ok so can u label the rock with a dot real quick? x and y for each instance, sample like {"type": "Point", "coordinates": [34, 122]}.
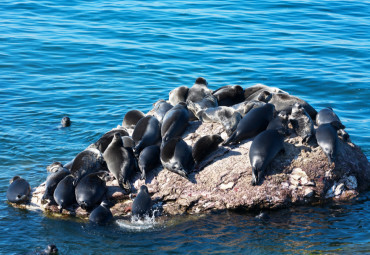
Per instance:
{"type": "Point", "coordinates": [301, 175]}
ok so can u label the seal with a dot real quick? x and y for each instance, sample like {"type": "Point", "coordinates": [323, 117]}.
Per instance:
{"type": "Point", "coordinates": [65, 122]}
{"type": "Point", "coordinates": [244, 107]}
{"type": "Point", "coordinates": [226, 116]}
{"type": "Point", "coordinates": [149, 159]}
{"type": "Point", "coordinates": [131, 118]}
{"type": "Point", "coordinates": [106, 139]}
{"type": "Point", "coordinates": [128, 142]}
{"type": "Point", "coordinates": [147, 132]}
{"type": "Point", "coordinates": [52, 182]}
{"type": "Point", "coordinates": [285, 102]}
{"type": "Point", "coordinates": [54, 167]}
{"type": "Point", "coordinates": [176, 156]}
{"type": "Point", "coordinates": [205, 146]}
{"type": "Point", "coordinates": [327, 115]}
{"type": "Point", "coordinates": [302, 123]}
{"type": "Point", "coordinates": [101, 215]}
{"type": "Point", "coordinates": [252, 93]}
{"type": "Point", "coordinates": [253, 123]}
{"type": "Point", "coordinates": [199, 90]}
{"type": "Point", "coordinates": [51, 249]}
{"type": "Point", "coordinates": [209, 101]}
{"type": "Point", "coordinates": [280, 122]}
{"type": "Point", "coordinates": [86, 162]}
{"type": "Point", "coordinates": [178, 95]}
{"type": "Point", "coordinates": [327, 138]}
{"type": "Point", "coordinates": [64, 194]}
{"type": "Point", "coordinates": [90, 190]}
{"type": "Point", "coordinates": [142, 204]}
{"type": "Point", "coordinates": [18, 191]}
{"type": "Point", "coordinates": [175, 122]}
{"type": "Point", "coordinates": [160, 108]}
{"type": "Point", "coordinates": [229, 95]}
{"type": "Point", "coordinates": [121, 161]}
{"type": "Point", "coordinates": [263, 150]}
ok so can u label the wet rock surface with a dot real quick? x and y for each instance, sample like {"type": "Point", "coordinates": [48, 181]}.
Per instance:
{"type": "Point", "coordinates": [301, 175]}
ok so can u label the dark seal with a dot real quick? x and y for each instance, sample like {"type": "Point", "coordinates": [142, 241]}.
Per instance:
{"type": "Point", "coordinates": [90, 190]}
{"type": "Point", "coordinates": [176, 156]}
{"type": "Point", "coordinates": [18, 191]}
{"type": "Point", "coordinates": [101, 215]}
{"type": "Point", "coordinates": [175, 122]}
{"type": "Point", "coordinates": [149, 159]}
{"type": "Point", "coordinates": [229, 95]}
{"type": "Point", "coordinates": [205, 146]}
{"type": "Point", "coordinates": [131, 118]}
{"type": "Point", "coordinates": [64, 194]}
{"type": "Point", "coordinates": [142, 204]}
{"type": "Point", "coordinates": [52, 182]}
{"type": "Point", "coordinates": [253, 123]}
{"type": "Point", "coordinates": [147, 132]}
{"type": "Point", "coordinates": [121, 161]}
{"type": "Point", "coordinates": [263, 150]}
{"type": "Point", "coordinates": [65, 122]}
{"type": "Point", "coordinates": [327, 138]}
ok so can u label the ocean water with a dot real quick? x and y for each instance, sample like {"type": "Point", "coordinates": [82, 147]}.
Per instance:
{"type": "Point", "coordinates": [96, 60]}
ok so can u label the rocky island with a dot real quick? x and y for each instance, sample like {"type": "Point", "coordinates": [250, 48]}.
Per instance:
{"type": "Point", "coordinates": [302, 174]}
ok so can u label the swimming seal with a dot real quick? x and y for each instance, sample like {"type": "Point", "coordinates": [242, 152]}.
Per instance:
{"type": "Point", "coordinates": [18, 191]}
{"type": "Point", "coordinates": [327, 138]}
{"type": "Point", "coordinates": [285, 102]}
{"type": "Point", "coordinates": [121, 161]}
{"type": "Point", "coordinates": [160, 109]}
{"type": "Point", "coordinates": [205, 146]}
{"type": "Point", "coordinates": [229, 95]}
{"type": "Point", "coordinates": [178, 95]}
{"type": "Point", "coordinates": [175, 122]}
{"type": "Point", "coordinates": [131, 118]}
{"type": "Point", "coordinates": [142, 204]}
{"type": "Point", "coordinates": [176, 156]}
{"type": "Point", "coordinates": [101, 214]}
{"type": "Point", "coordinates": [254, 122]}
{"type": "Point", "coordinates": [90, 190]}
{"type": "Point", "coordinates": [65, 122]}
{"type": "Point", "coordinates": [106, 139]}
{"type": "Point", "coordinates": [147, 132]}
{"type": "Point", "coordinates": [149, 159]}
{"type": "Point", "coordinates": [64, 194]}
{"type": "Point", "coordinates": [226, 116]}
{"type": "Point", "coordinates": [51, 249]}
{"type": "Point", "coordinates": [264, 148]}
{"type": "Point", "coordinates": [52, 182]}
{"type": "Point", "coordinates": [302, 122]}
{"type": "Point", "coordinates": [86, 162]}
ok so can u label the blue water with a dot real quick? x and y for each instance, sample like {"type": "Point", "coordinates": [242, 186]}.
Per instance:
{"type": "Point", "coordinates": [96, 60]}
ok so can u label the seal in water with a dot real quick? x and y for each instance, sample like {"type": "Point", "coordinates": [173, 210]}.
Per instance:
{"type": "Point", "coordinates": [18, 191]}
{"type": "Point", "coordinates": [101, 214]}
{"type": "Point", "coordinates": [285, 102]}
{"type": "Point", "coordinates": [51, 249]}
{"type": "Point", "coordinates": [178, 95]}
{"type": "Point", "coordinates": [229, 95]}
{"type": "Point", "coordinates": [327, 138]}
{"type": "Point", "coordinates": [52, 182]}
{"type": "Point", "coordinates": [131, 118]}
{"type": "Point", "coordinates": [227, 116]}
{"type": "Point", "coordinates": [86, 162]}
{"type": "Point", "coordinates": [147, 132]}
{"type": "Point", "coordinates": [176, 157]}
{"type": "Point", "coordinates": [175, 122]}
{"type": "Point", "coordinates": [142, 204]}
{"type": "Point", "coordinates": [253, 123]}
{"type": "Point", "coordinates": [91, 190]}
{"type": "Point", "coordinates": [121, 161]}
{"type": "Point", "coordinates": [263, 150]}
{"type": "Point", "coordinates": [302, 123]}
{"type": "Point", "coordinates": [64, 194]}
{"type": "Point", "coordinates": [205, 146]}
{"type": "Point", "coordinates": [65, 122]}
{"type": "Point", "coordinates": [106, 139]}
{"type": "Point", "coordinates": [160, 108]}
{"type": "Point", "coordinates": [149, 159]}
